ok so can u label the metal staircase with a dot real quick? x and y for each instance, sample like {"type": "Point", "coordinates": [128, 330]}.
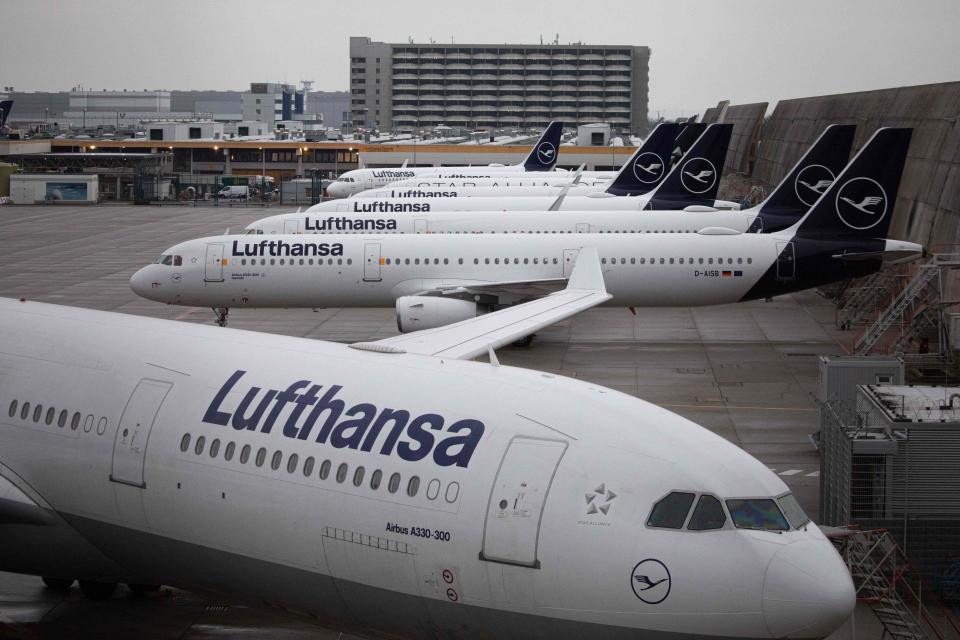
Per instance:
{"type": "Point", "coordinates": [885, 580]}
{"type": "Point", "coordinates": [915, 291]}
{"type": "Point", "coordinates": [855, 304]}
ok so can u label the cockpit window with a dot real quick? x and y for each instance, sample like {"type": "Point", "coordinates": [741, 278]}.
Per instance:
{"type": "Point", "coordinates": [164, 259]}
{"type": "Point", "coordinates": [177, 261]}
{"type": "Point", "coordinates": [757, 513]}
{"type": "Point", "coordinates": [791, 508]}
{"type": "Point", "coordinates": [671, 511]}
{"type": "Point", "coordinates": [254, 232]}
{"type": "Point", "coordinates": [708, 515]}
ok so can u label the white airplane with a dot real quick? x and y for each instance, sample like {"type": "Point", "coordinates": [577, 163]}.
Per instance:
{"type": "Point", "coordinates": [823, 161]}
{"type": "Point", "coordinates": [390, 488]}
{"type": "Point", "coordinates": [542, 157]}
{"type": "Point", "coordinates": [437, 279]}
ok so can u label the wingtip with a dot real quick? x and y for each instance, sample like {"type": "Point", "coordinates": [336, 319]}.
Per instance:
{"type": "Point", "coordinates": [586, 273]}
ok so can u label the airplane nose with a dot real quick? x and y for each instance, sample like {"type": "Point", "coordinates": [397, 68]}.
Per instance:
{"type": "Point", "coordinates": [142, 282]}
{"type": "Point", "coordinates": [807, 591]}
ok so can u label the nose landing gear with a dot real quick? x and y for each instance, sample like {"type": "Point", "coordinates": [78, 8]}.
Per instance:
{"type": "Point", "coordinates": [221, 313]}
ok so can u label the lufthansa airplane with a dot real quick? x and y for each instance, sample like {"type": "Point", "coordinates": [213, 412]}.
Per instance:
{"type": "Point", "coordinates": [786, 204]}
{"type": "Point", "coordinates": [543, 157]}
{"type": "Point", "coordinates": [437, 279]}
{"type": "Point", "coordinates": [391, 488]}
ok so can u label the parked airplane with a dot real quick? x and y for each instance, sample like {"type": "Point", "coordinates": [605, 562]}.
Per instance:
{"type": "Point", "coordinates": [823, 161]}
{"type": "Point", "coordinates": [543, 157]}
{"type": "Point", "coordinates": [389, 488]}
{"type": "Point", "coordinates": [438, 279]}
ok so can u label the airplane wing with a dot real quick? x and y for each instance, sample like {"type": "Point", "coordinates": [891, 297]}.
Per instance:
{"type": "Point", "coordinates": [471, 338]}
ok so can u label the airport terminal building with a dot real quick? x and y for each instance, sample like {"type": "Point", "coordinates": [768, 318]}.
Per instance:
{"type": "Point", "coordinates": [405, 86]}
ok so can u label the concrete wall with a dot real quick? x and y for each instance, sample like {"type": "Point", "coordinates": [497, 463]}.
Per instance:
{"type": "Point", "coordinates": [747, 121]}
{"type": "Point", "coordinates": [928, 205]}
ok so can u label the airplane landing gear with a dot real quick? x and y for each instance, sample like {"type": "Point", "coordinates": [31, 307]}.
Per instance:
{"type": "Point", "coordinates": [221, 313]}
{"type": "Point", "coordinates": [525, 341]}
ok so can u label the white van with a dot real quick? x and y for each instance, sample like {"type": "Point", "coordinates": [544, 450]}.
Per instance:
{"type": "Point", "coordinates": [238, 192]}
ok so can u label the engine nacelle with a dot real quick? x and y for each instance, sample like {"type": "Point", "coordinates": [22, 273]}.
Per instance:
{"type": "Point", "coordinates": [427, 312]}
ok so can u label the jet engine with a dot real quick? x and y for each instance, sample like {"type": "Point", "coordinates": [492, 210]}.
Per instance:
{"type": "Point", "coordinates": [427, 312]}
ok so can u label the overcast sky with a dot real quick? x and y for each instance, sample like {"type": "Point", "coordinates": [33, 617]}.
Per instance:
{"type": "Point", "coordinates": [742, 50]}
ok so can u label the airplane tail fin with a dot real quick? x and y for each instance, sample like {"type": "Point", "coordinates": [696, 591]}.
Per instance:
{"type": "Point", "coordinates": [688, 135]}
{"type": "Point", "coordinates": [5, 107]}
{"type": "Point", "coordinates": [543, 156]}
{"type": "Point", "coordinates": [696, 178]}
{"type": "Point", "coordinates": [648, 165]}
{"type": "Point", "coordinates": [860, 201]}
{"type": "Point", "coordinates": [806, 182]}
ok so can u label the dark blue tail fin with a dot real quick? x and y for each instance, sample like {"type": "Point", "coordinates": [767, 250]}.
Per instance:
{"type": "Point", "coordinates": [696, 178]}
{"type": "Point", "coordinates": [807, 181]}
{"type": "Point", "coordinates": [5, 107]}
{"type": "Point", "coordinates": [647, 167]}
{"type": "Point", "coordinates": [543, 156]}
{"type": "Point", "coordinates": [860, 201]}
{"type": "Point", "coordinates": [685, 139]}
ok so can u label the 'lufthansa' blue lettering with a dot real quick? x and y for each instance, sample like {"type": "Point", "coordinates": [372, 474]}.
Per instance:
{"type": "Point", "coordinates": [361, 427]}
{"type": "Point", "coordinates": [344, 223]}
{"type": "Point", "coordinates": [280, 248]}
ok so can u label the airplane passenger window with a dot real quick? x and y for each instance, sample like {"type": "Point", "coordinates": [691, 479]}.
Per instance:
{"type": "Point", "coordinates": [281, 262]}
{"type": "Point", "coordinates": [62, 420]}
{"type": "Point", "coordinates": [101, 426]}
{"type": "Point", "coordinates": [276, 460]}
{"type": "Point", "coordinates": [292, 462]}
{"type": "Point", "coordinates": [394, 483]}
{"type": "Point", "coordinates": [709, 260]}
{"type": "Point", "coordinates": [358, 476]}
{"type": "Point", "coordinates": [228, 451]}
{"type": "Point", "coordinates": [453, 492]}
{"type": "Point", "coordinates": [416, 261]}
{"type": "Point", "coordinates": [671, 511]}
{"type": "Point", "coordinates": [739, 260]}
{"type": "Point", "coordinates": [75, 421]}
{"type": "Point", "coordinates": [433, 489]}
{"type": "Point", "coordinates": [633, 261]}
{"type": "Point", "coordinates": [25, 411]}
{"type": "Point", "coordinates": [245, 454]}
{"type": "Point", "coordinates": [308, 467]}
{"type": "Point", "coordinates": [661, 260]}
{"type": "Point", "coordinates": [198, 448]}
{"type": "Point", "coordinates": [13, 408]}
{"type": "Point", "coordinates": [185, 442]}
{"type": "Point", "coordinates": [37, 412]}
{"type": "Point", "coordinates": [708, 515]}
{"type": "Point", "coordinates": [757, 514]}
{"type": "Point", "coordinates": [603, 261]}
{"type": "Point", "coordinates": [375, 478]}
{"type": "Point", "coordinates": [325, 469]}
{"type": "Point", "coordinates": [51, 412]}
{"type": "Point", "coordinates": [749, 260]}
{"type": "Point", "coordinates": [261, 456]}
{"type": "Point", "coordinates": [214, 448]}
{"type": "Point", "coordinates": [342, 472]}
{"type": "Point", "coordinates": [794, 512]}
{"type": "Point", "coordinates": [413, 485]}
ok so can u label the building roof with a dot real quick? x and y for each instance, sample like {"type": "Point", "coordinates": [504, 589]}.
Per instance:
{"type": "Point", "coordinates": [918, 404]}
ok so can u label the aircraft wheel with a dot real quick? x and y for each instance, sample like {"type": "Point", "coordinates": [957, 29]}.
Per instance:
{"type": "Point", "coordinates": [97, 590]}
{"type": "Point", "coordinates": [58, 584]}
{"type": "Point", "coordinates": [526, 341]}
{"type": "Point", "coordinates": [143, 589]}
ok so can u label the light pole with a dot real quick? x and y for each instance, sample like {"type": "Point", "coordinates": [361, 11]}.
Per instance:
{"type": "Point", "coordinates": [263, 174]}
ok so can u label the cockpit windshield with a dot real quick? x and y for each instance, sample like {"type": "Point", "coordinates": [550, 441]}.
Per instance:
{"type": "Point", "coordinates": [794, 512]}
{"type": "Point", "coordinates": [253, 232]}
{"type": "Point", "coordinates": [757, 513]}
{"type": "Point", "coordinates": [169, 260]}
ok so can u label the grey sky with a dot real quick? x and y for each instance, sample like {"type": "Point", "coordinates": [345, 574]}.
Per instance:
{"type": "Point", "coordinates": [744, 50]}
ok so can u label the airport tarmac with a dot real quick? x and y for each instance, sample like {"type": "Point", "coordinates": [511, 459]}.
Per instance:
{"type": "Point", "coordinates": [747, 372]}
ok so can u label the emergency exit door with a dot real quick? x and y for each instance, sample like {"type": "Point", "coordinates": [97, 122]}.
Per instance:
{"type": "Point", "coordinates": [512, 527]}
{"type": "Point", "coordinates": [213, 270]}
{"type": "Point", "coordinates": [569, 259]}
{"type": "Point", "coordinates": [133, 432]}
{"type": "Point", "coordinates": [786, 261]}
{"type": "Point", "coordinates": [371, 262]}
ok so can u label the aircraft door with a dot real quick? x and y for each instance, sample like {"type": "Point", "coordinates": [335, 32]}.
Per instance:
{"type": "Point", "coordinates": [420, 225]}
{"type": "Point", "coordinates": [786, 261]}
{"type": "Point", "coordinates": [512, 527]}
{"type": "Point", "coordinates": [291, 226]}
{"type": "Point", "coordinates": [583, 227]}
{"type": "Point", "coordinates": [569, 259]}
{"type": "Point", "coordinates": [371, 262]}
{"type": "Point", "coordinates": [133, 432]}
{"type": "Point", "coordinates": [213, 270]}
